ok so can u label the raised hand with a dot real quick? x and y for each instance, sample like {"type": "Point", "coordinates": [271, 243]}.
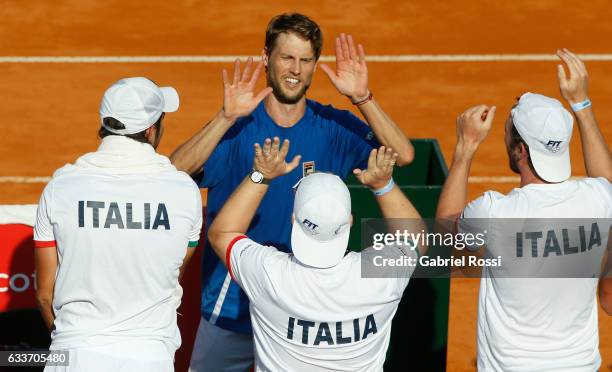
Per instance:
{"type": "Point", "coordinates": [238, 96]}
{"type": "Point", "coordinates": [270, 160]}
{"type": "Point", "coordinates": [380, 168]}
{"type": "Point", "coordinates": [575, 87]}
{"type": "Point", "coordinates": [473, 126]}
{"type": "Point", "coordinates": [351, 75]}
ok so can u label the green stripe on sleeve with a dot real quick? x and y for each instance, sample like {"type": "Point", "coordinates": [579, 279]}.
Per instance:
{"type": "Point", "coordinates": [192, 244]}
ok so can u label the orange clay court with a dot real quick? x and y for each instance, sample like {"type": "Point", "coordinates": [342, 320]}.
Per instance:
{"type": "Point", "coordinates": [50, 110]}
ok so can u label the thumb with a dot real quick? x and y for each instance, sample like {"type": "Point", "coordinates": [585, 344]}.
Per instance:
{"type": "Point", "coordinates": [490, 116]}
{"type": "Point", "coordinates": [263, 94]}
{"type": "Point", "coordinates": [328, 71]}
{"type": "Point", "coordinates": [359, 174]}
{"type": "Point", "coordinates": [561, 75]}
{"type": "Point", "coordinates": [294, 163]}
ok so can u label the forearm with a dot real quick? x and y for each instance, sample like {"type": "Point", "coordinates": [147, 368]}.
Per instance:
{"type": "Point", "coordinates": [401, 214]}
{"type": "Point", "coordinates": [239, 210]}
{"type": "Point", "coordinates": [45, 305]}
{"type": "Point", "coordinates": [395, 204]}
{"type": "Point", "coordinates": [190, 156]}
{"type": "Point", "coordinates": [387, 132]}
{"type": "Point", "coordinates": [597, 157]}
{"type": "Point", "coordinates": [454, 193]}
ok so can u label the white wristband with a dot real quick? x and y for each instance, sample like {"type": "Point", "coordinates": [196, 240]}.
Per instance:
{"type": "Point", "coordinates": [581, 105]}
{"type": "Point", "coordinates": [386, 189]}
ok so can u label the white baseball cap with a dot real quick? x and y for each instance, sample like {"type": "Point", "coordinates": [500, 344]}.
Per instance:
{"type": "Point", "coordinates": [322, 225]}
{"type": "Point", "coordinates": [137, 103]}
{"type": "Point", "coordinates": [546, 127]}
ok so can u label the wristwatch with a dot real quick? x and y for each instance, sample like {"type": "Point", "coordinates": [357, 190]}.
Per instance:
{"type": "Point", "coordinates": [257, 177]}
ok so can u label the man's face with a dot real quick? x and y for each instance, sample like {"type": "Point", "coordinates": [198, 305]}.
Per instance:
{"type": "Point", "coordinates": [290, 66]}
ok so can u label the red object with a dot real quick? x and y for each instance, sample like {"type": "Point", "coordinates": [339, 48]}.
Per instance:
{"type": "Point", "coordinates": [16, 267]}
{"type": "Point", "coordinates": [228, 254]}
{"type": "Point", "coordinates": [44, 244]}
{"type": "Point", "coordinates": [364, 101]}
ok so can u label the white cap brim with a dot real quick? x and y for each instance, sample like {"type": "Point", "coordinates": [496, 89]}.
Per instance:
{"type": "Point", "coordinates": [552, 168]}
{"type": "Point", "coordinates": [171, 99]}
{"type": "Point", "coordinates": [316, 253]}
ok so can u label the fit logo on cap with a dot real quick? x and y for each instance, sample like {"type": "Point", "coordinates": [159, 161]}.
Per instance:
{"type": "Point", "coordinates": [553, 146]}
{"type": "Point", "coordinates": [310, 226]}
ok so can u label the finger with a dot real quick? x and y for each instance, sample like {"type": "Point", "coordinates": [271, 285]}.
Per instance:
{"type": "Point", "coordinates": [388, 154]}
{"type": "Point", "coordinates": [345, 48]}
{"type": "Point", "coordinates": [470, 111]}
{"type": "Point", "coordinates": [380, 157]}
{"type": "Point", "coordinates": [359, 174]}
{"type": "Point", "coordinates": [571, 62]}
{"type": "Point", "coordinates": [372, 159]}
{"type": "Point", "coordinates": [394, 158]}
{"type": "Point", "coordinates": [339, 55]}
{"type": "Point", "coordinates": [247, 70]}
{"type": "Point", "coordinates": [329, 72]}
{"type": "Point", "coordinates": [575, 58]}
{"type": "Point", "coordinates": [263, 94]}
{"type": "Point", "coordinates": [225, 78]}
{"type": "Point", "coordinates": [479, 111]}
{"type": "Point", "coordinates": [490, 115]}
{"type": "Point", "coordinates": [561, 75]}
{"type": "Point", "coordinates": [266, 147]}
{"type": "Point", "coordinates": [388, 159]}
{"type": "Point", "coordinates": [257, 150]}
{"type": "Point", "coordinates": [284, 149]}
{"type": "Point", "coordinates": [275, 146]}
{"type": "Point", "coordinates": [390, 163]}
{"type": "Point", "coordinates": [256, 73]}
{"type": "Point", "coordinates": [361, 54]}
{"type": "Point", "coordinates": [236, 72]}
{"type": "Point", "coordinates": [352, 50]}
{"type": "Point", "coordinates": [565, 58]}
{"type": "Point", "coordinates": [294, 163]}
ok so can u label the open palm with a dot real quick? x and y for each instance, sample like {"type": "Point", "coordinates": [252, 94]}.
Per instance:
{"type": "Point", "coordinates": [351, 75]}
{"type": "Point", "coordinates": [380, 168]}
{"type": "Point", "coordinates": [238, 96]}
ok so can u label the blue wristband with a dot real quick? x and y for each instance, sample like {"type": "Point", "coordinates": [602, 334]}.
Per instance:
{"type": "Point", "coordinates": [384, 190]}
{"type": "Point", "coordinates": [581, 105]}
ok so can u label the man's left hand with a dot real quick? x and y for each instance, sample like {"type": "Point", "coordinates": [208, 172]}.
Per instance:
{"type": "Point", "coordinates": [270, 160]}
{"type": "Point", "coordinates": [351, 75]}
{"type": "Point", "coordinates": [380, 168]}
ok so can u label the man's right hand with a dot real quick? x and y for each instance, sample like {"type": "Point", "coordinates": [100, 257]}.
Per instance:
{"type": "Point", "coordinates": [238, 97]}
{"type": "Point", "coordinates": [380, 168]}
{"type": "Point", "coordinates": [575, 87]}
{"type": "Point", "coordinates": [270, 160]}
{"type": "Point", "coordinates": [473, 126]}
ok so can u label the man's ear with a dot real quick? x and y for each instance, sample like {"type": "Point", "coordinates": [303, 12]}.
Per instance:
{"type": "Point", "coordinates": [523, 151]}
{"type": "Point", "coordinates": [351, 220]}
{"type": "Point", "coordinates": [292, 218]}
{"type": "Point", "coordinates": [150, 134]}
